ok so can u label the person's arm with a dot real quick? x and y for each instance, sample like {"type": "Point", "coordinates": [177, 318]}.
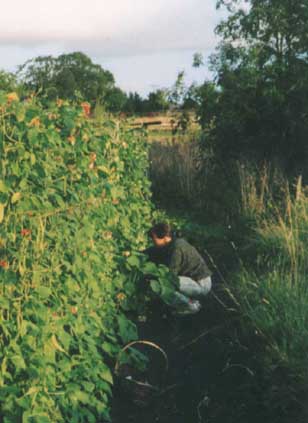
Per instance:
{"type": "Point", "coordinates": [176, 261]}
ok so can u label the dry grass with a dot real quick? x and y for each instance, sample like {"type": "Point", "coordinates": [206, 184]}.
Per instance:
{"type": "Point", "coordinates": [281, 218]}
{"type": "Point", "coordinates": [174, 170]}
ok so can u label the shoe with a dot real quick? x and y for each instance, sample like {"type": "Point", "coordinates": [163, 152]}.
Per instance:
{"type": "Point", "coordinates": [192, 307]}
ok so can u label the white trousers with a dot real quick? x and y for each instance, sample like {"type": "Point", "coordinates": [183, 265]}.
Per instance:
{"type": "Point", "coordinates": [192, 290]}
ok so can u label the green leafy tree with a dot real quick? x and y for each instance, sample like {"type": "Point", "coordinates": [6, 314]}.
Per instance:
{"type": "Point", "coordinates": [67, 76]}
{"type": "Point", "coordinates": [37, 74]}
{"type": "Point", "coordinates": [116, 100]}
{"type": "Point", "coordinates": [198, 60]}
{"type": "Point", "coordinates": [93, 82]}
{"type": "Point", "coordinates": [65, 83]}
{"type": "Point", "coordinates": [157, 101]}
{"type": "Point", "coordinates": [178, 91]}
{"type": "Point", "coordinates": [261, 69]}
{"type": "Point", "coordinates": [193, 97]}
{"type": "Point", "coordinates": [135, 104]}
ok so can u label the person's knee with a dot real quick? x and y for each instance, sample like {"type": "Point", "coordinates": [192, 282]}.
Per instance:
{"type": "Point", "coordinates": [206, 286]}
{"type": "Point", "coordinates": [189, 287]}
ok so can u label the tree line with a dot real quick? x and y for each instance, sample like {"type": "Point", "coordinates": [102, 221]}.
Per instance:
{"type": "Point", "coordinates": [74, 76]}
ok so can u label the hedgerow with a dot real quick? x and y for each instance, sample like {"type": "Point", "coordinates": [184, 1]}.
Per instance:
{"type": "Point", "coordinates": [74, 206]}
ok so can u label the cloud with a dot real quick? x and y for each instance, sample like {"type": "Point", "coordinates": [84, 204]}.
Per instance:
{"type": "Point", "coordinates": [109, 26]}
{"type": "Point", "coordinates": [144, 43]}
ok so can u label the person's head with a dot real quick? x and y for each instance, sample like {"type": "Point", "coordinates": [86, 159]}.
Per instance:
{"type": "Point", "coordinates": [161, 234]}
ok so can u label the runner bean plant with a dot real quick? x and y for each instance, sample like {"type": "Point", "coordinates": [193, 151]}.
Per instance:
{"type": "Point", "coordinates": [74, 209]}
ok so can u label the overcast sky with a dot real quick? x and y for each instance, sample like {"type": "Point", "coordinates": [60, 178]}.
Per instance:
{"type": "Point", "coordinates": [144, 43]}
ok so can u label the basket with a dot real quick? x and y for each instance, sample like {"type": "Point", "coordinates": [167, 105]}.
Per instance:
{"type": "Point", "coordinates": [139, 391]}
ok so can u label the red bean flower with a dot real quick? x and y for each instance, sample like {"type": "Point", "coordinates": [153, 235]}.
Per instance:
{"type": "Point", "coordinates": [12, 97]}
{"type": "Point", "coordinates": [4, 264]}
{"type": "Point", "coordinates": [74, 310]}
{"type": "Point", "coordinates": [86, 107]}
{"type": "Point", "coordinates": [25, 232]}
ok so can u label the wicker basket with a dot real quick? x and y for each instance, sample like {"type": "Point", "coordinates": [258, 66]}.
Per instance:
{"type": "Point", "coordinates": [140, 392]}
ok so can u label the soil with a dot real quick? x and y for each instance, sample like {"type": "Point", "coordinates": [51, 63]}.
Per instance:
{"type": "Point", "coordinates": [204, 382]}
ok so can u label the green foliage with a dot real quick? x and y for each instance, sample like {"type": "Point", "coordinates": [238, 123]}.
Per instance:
{"type": "Point", "coordinates": [115, 100]}
{"type": "Point", "coordinates": [74, 203]}
{"type": "Point", "coordinates": [134, 103]}
{"type": "Point", "coordinates": [177, 92]}
{"type": "Point", "coordinates": [7, 81]}
{"type": "Point", "coordinates": [71, 76]}
{"type": "Point", "coordinates": [157, 101]}
{"type": "Point", "coordinates": [271, 294]}
{"type": "Point", "coordinates": [198, 60]}
{"type": "Point", "coordinates": [258, 110]}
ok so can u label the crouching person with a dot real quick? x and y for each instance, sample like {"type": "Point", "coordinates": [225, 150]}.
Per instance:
{"type": "Point", "coordinates": [185, 262]}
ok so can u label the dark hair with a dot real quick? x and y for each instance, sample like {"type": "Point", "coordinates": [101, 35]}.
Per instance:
{"type": "Point", "coordinates": [160, 230]}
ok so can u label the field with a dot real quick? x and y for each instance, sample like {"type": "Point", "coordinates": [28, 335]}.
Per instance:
{"type": "Point", "coordinates": [166, 126]}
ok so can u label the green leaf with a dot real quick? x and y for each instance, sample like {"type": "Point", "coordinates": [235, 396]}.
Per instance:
{"type": "Point", "coordinates": [3, 187]}
{"type": "Point", "coordinates": [4, 303]}
{"type": "Point", "coordinates": [150, 268]}
{"type": "Point", "coordinates": [32, 159]}
{"type": "Point", "coordinates": [88, 386]}
{"type": "Point", "coordinates": [15, 197]}
{"type": "Point", "coordinates": [109, 348]}
{"type": "Point", "coordinates": [44, 291]}
{"type": "Point", "coordinates": [26, 416]}
{"type": "Point", "coordinates": [167, 293]}
{"type": "Point", "coordinates": [128, 330]}
{"type": "Point", "coordinates": [20, 113]}
{"type": "Point", "coordinates": [155, 285]}
{"type": "Point", "coordinates": [82, 396]}
{"type": "Point", "coordinates": [33, 136]}
{"type": "Point", "coordinates": [18, 362]}
{"type": "Point", "coordinates": [107, 376]}
{"type": "Point", "coordinates": [133, 261]}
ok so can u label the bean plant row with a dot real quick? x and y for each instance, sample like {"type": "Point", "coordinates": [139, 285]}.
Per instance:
{"type": "Point", "coordinates": [74, 210]}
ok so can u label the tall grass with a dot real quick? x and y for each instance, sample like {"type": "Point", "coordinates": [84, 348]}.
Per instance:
{"type": "Point", "coordinates": [183, 176]}
{"type": "Point", "coordinates": [272, 291]}
{"type": "Point", "coordinates": [175, 171]}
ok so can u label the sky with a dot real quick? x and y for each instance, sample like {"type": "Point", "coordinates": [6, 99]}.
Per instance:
{"type": "Point", "coordinates": [143, 43]}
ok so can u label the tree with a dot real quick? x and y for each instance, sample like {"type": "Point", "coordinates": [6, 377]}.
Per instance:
{"type": "Point", "coordinates": [261, 68]}
{"type": "Point", "coordinates": [69, 76]}
{"type": "Point", "coordinates": [135, 104]}
{"type": "Point", "coordinates": [92, 81]}
{"type": "Point", "coordinates": [198, 60]}
{"type": "Point", "coordinates": [193, 97]}
{"type": "Point", "coordinates": [38, 74]}
{"type": "Point", "coordinates": [178, 91]}
{"type": "Point", "coordinates": [65, 83]}
{"type": "Point", "coordinates": [116, 100]}
{"type": "Point", "coordinates": [157, 101]}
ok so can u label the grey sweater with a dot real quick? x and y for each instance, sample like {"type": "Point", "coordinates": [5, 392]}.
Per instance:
{"type": "Point", "coordinates": [186, 261]}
